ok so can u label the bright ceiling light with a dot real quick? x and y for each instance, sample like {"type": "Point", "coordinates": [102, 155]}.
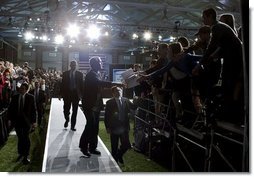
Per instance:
{"type": "Point", "coordinates": [29, 36]}
{"type": "Point", "coordinates": [172, 38]}
{"type": "Point", "coordinates": [44, 38]}
{"type": "Point", "coordinates": [59, 39]}
{"type": "Point", "coordinates": [160, 37]}
{"type": "Point", "coordinates": [93, 32]}
{"type": "Point", "coordinates": [134, 36]}
{"type": "Point", "coordinates": [147, 35]}
{"type": "Point", "coordinates": [73, 30]}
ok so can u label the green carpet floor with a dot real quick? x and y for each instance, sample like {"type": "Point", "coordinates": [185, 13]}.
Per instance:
{"type": "Point", "coordinates": [134, 161]}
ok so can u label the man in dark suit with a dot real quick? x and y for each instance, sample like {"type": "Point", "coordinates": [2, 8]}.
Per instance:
{"type": "Point", "coordinates": [225, 44]}
{"type": "Point", "coordinates": [40, 101]}
{"type": "Point", "coordinates": [71, 91]}
{"type": "Point", "coordinates": [92, 104]}
{"type": "Point", "coordinates": [22, 116]}
{"type": "Point", "coordinates": [117, 123]}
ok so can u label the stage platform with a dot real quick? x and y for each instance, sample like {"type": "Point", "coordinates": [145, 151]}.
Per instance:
{"type": "Point", "coordinates": [62, 153]}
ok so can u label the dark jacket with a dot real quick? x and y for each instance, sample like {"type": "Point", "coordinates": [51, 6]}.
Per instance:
{"type": "Point", "coordinates": [41, 98]}
{"type": "Point", "coordinates": [29, 112]}
{"type": "Point", "coordinates": [65, 85]}
{"type": "Point", "coordinates": [224, 38]}
{"type": "Point", "coordinates": [92, 90]}
{"type": "Point", "coordinates": [112, 120]}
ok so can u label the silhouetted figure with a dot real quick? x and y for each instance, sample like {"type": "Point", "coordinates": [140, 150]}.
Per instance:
{"type": "Point", "coordinates": [22, 115]}
{"type": "Point", "coordinates": [71, 91]}
{"type": "Point", "coordinates": [92, 104]}
{"type": "Point", "coordinates": [117, 123]}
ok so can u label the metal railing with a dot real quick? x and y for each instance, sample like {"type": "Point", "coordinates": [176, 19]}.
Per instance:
{"type": "Point", "coordinates": [204, 139]}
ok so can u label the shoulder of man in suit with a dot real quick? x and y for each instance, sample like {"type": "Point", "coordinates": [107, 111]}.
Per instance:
{"type": "Point", "coordinates": [111, 100]}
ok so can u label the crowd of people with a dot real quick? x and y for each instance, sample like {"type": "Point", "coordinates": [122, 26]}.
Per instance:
{"type": "Point", "coordinates": [11, 77]}
{"type": "Point", "coordinates": [24, 94]}
{"type": "Point", "coordinates": [219, 63]}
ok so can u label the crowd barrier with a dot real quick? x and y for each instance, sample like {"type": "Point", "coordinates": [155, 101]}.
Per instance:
{"type": "Point", "coordinates": [214, 146]}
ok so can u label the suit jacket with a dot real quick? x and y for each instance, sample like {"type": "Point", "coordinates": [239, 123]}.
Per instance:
{"type": "Point", "coordinates": [41, 98]}
{"type": "Point", "coordinates": [112, 121]}
{"type": "Point", "coordinates": [92, 90]}
{"type": "Point", "coordinates": [65, 85]}
{"type": "Point", "coordinates": [224, 37]}
{"type": "Point", "coordinates": [29, 111]}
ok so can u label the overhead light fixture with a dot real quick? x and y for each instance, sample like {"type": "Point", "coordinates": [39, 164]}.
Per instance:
{"type": "Point", "coordinates": [93, 32]}
{"type": "Point", "coordinates": [147, 35]}
{"type": "Point", "coordinates": [59, 39]}
{"type": "Point", "coordinates": [73, 30]}
{"type": "Point", "coordinates": [44, 38]}
{"type": "Point", "coordinates": [172, 38]}
{"type": "Point", "coordinates": [29, 36]}
{"type": "Point", "coordinates": [134, 36]}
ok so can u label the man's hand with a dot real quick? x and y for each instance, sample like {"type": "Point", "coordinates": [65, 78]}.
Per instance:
{"type": "Point", "coordinates": [142, 77]}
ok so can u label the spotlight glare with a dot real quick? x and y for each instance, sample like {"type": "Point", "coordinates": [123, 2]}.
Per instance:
{"type": "Point", "coordinates": [73, 30]}
{"type": "Point", "coordinates": [93, 32]}
{"type": "Point", "coordinates": [29, 36]}
{"type": "Point", "coordinates": [134, 36]}
{"type": "Point", "coordinates": [59, 39]}
{"type": "Point", "coordinates": [147, 35]}
{"type": "Point", "coordinates": [171, 38]}
{"type": "Point", "coordinates": [44, 38]}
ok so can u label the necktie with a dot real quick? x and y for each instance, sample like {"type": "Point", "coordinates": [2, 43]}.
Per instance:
{"type": "Point", "coordinates": [72, 80]}
{"type": "Point", "coordinates": [121, 110]}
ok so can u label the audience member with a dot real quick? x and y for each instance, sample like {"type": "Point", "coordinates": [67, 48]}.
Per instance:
{"type": "Point", "coordinates": [225, 44]}
{"type": "Point", "coordinates": [40, 101]}
{"type": "Point", "coordinates": [184, 42]}
{"type": "Point", "coordinates": [228, 19]}
{"type": "Point", "coordinates": [22, 116]}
